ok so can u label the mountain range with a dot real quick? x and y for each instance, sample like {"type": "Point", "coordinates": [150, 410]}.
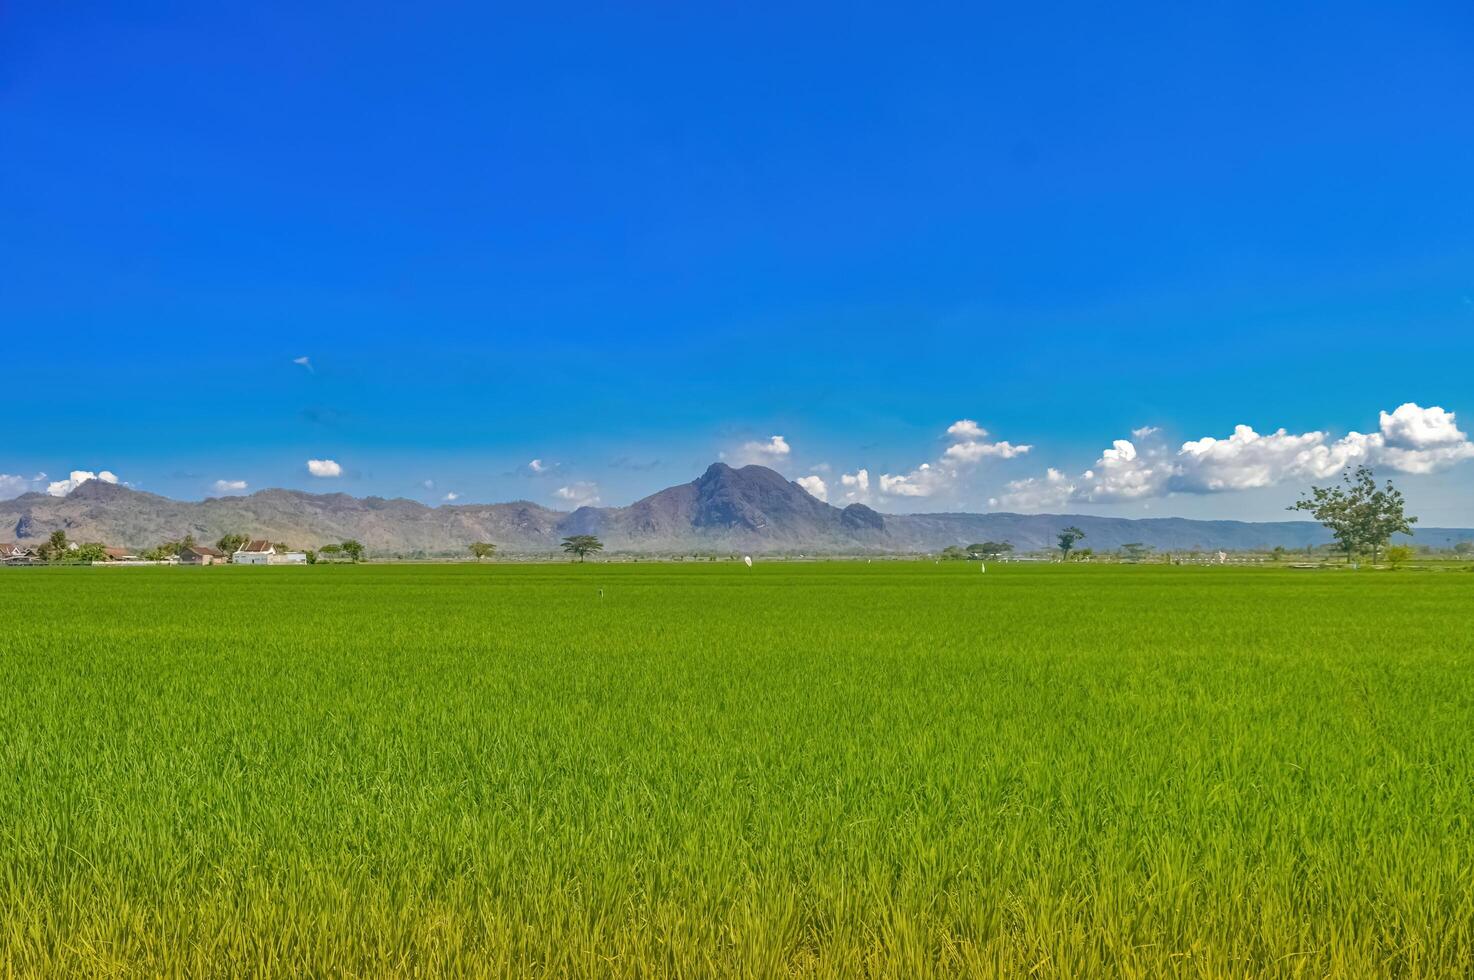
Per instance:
{"type": "Point", "coordinates": [752, 509]}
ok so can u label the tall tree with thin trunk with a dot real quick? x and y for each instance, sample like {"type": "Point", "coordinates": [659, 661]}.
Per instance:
{"type": "Point", "coordinates": [1067, 539]}
{"type": "Point", "coordinates": [1360, 515]}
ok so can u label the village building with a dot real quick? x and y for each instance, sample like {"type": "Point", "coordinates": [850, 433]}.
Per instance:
{"type": "Point", "coordinates": [289, 558]}
{"type": "Point", "coordinates": [119, 554]}
{"type": "Point", "coordinates": [258, 552]}
{"type": "Point", "coordinates": [17, 553]}
{"type": "Point", "coordinates": [198, 554]}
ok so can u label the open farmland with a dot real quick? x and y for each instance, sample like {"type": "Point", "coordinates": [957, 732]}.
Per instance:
{"type": "Point", "coordinates": [889, 769]}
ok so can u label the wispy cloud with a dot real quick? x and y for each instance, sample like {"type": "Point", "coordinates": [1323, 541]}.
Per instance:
{"type": "Point", "coordinates": [583, 493]}
{"type": "Point", "coordinates": [14, 486]}
{"type": "Point", "coordinates": [968, 445]}
{"type": "Point", "coordinates": [229, 486]}
{"type": "Point", "coordinates": [304, 361]}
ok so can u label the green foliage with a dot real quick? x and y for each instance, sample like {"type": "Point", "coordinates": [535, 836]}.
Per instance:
{"type": "Point", "coordinates": [1067, 539]}
{"type": "Point", "coordinates": [352, 549]}
{"type": "Point", "coordinates": [990, 549]}
{"type": "Point", "coordinates": [88, 553]}
{"type": "Point", "coordinates": [55, 548]}
{"type": "Point", "coordinates": [820, 770]}
{"type": "Point", "coordinates": [482, 549]}
{"type": "Point", "coordinates": [1399, 554]}
{"type": "Point", "coordinates": [1278, 553]}
{"type": "Point", "coordinates": [1464, 548]}
{"type": "Point", "coordinates": [582, 545]}
{"type": "Point", "coordinates": [1360, 515]}
{"type": "Point", "coordinates": [953, 553]}
{"type": "Point", "coordinates": [1135, 551]}
{"type": "Point", "coordinates": [231, 543]}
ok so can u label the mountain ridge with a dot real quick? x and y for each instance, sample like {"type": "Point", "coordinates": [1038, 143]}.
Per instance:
{"type": "Point", "coordinates": [752, 509]}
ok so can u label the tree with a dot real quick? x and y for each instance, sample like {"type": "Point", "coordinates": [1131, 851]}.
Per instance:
{"type": "Point", "coordinates": [188, 542]}
{"type": "Point", "coordinates": [1399, 553]}
{"type": "Point", "coordinates": [1067, 539]}
{"type": "Point", "coordinates": [582, 545]}
{"type": "Point", "coordinates": [231, 543]}
{"type": "Point", "coordinates": [1360, 515]}
{"type": "Point", "coordinates": [352, 549]}
{"type": "Point", "coordinates": [1278, 554]}
{"type": "Point", "coordinates": [281, 547]}
{"type": "Point", "coordinates": [953, 553]}
{"type": "Point", "coordinates": [1463, 548]}
{"type": "Point", "coordinates": [483, 549]}
{"type": "Point", "coordinates": [989, 549]}
{"type": "Point", "coordinates": [87, 552]}
{"type": "Point", "coordinates": [1135, 551]}
{"type": "Point", "coordinates": [55, 548]}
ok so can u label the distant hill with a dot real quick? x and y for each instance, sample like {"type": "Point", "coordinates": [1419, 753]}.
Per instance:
{"type": "Point", "coordinates": [752, 509]}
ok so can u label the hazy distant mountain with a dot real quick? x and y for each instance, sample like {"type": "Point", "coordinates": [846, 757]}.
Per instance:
{"type": "Point", "coordinates": [752, 509]}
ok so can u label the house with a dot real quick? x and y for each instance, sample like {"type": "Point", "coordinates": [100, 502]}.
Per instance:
{"type": "Point", "coordinates": [198, 554]}
{"type": "Point", "coordinates": [289, 558]}
{"type": "Point", "coordinates": [255, 553]}
{"type": "Point", "coordinates": [119, 554]}
{"type": "Point", "coordinates": [16, 553]}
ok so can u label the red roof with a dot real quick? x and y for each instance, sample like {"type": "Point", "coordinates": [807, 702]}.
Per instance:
{"type": "Point", "coordinates": [262, 547]}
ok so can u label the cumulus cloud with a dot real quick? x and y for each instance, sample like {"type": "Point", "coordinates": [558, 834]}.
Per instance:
{"type": "Point", "coordinates": [815, 486]}
{"type": "Point", "coordinates": [968, 447]}
{"type": "Point", "coordinates": [856, 486]}
{"type": "Point", "coordinates": [580, 494]}
{"type": "Point", "coordinates": [452, 496]}
{"type": "Point", "coordinates": [1411, 439]}
{"type": "Point", "coordinates": [774, 450]}
{"type": "Point", "coordinates": [60, 488]}
{"type": "Point", "coordinates": [229, 486]}
{"type": "Point", "coordinates": [324, 467]}
{"type": "Point", "coordinates": [967, 429]}
{"type": "Point", "coordinates": [537, 466]}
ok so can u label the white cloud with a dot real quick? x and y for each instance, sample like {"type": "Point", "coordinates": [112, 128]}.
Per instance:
{"type": "Point", "coordinates": [968, 447]}
{"type": "Point", "coordinates": [324, 467]}
{"type": "Point", "coordinates": [973, 451]}
{"type": "Point", "coordinates": [967, 429]}
{"type": "Point", "coordinates": [815, 486]}
{"type": "Point", "coordinates": [229, 486]}
{"type": "Point", "coordinates": [60, 488]}
{"type": "Point", "coordinates": [537, 466]}
{"type": "Point", "coordinates": [14, 486]}
{"type": "Point", "coordinates": [1411, 439]}
{"type": "Point", "coordinates": [304, 361]}
{"type": "Point", "coordinates": [920, 482]}
{"type": "Point", "coordinates": [856, 486]}
{"type": "Point", "coordinates": [1144, 432]}
{"type": "Point", "coordinates": [1051, 491]}
{"type": "Point", "coordinates": [772, 451]}
{"type": "Point", "coordinates": [452, 496]}
{"type": "Point", "coordinates": [580, 494]}
{"type": "Point", "coordinates": [428, 484]}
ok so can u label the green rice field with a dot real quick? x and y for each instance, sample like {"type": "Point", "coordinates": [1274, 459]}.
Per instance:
{"type": "Point", "coordinates": [887, 769]}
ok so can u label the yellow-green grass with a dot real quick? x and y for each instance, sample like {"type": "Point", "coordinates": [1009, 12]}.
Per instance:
{"type": "Point", "coordinates": [840, 770]}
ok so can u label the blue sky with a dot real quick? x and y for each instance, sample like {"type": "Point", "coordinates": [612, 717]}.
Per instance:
{"type": "Point", "coordinates": [628, 242]}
